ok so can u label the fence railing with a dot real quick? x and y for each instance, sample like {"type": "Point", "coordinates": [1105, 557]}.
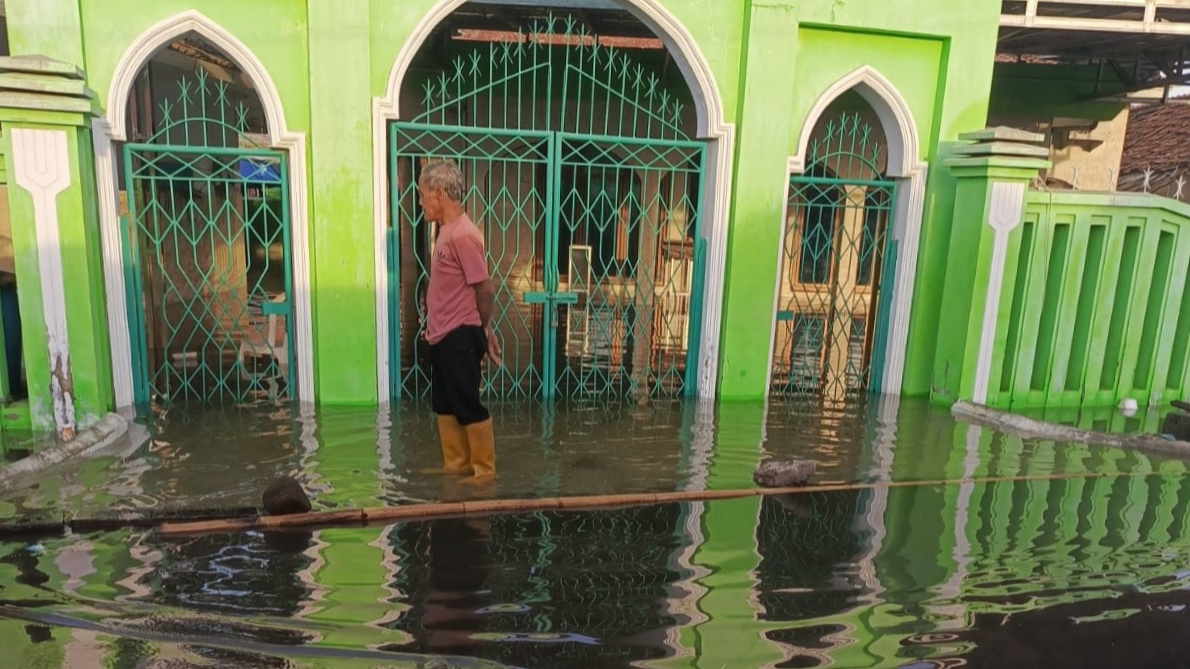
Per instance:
{"type": "Point", "coordinates": [1097, 299]}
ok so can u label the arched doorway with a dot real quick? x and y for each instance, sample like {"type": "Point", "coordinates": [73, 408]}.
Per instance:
{"type": "Point", "coordinates": [837, 263]}
{"type": "Point", "coordinates": [207, 234]}
{"type": "Point", "coordinates": [582, 172]}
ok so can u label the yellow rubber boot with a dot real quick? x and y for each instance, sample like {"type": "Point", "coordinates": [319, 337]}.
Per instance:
{"type": "Point", "coordinates": [482, 441]}
{"type": "Point", "coordinates": [456, 452]}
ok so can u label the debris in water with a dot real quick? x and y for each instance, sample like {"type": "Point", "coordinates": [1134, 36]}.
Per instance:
{"type": "Point", "coordinates": [285, 497]}
{"type": "Point", "coordinates": [784, 473]}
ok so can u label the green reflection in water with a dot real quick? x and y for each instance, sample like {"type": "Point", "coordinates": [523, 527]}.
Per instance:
{"type": "Point", "coordinates": [838, 577]}
{"type": "Point", "coordinates": [877, 578]}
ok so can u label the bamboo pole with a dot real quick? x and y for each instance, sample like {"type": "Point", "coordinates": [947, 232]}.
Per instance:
{"type": "Point", "coordinates": [420, 512]}
{"type": "Point", "coordinates": [1031, 428]}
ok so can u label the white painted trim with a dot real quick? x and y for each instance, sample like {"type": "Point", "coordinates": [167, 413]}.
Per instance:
{"type": "Point", "coordinates": [911, 206]}
{"type": "Point", "coordinates": [120, 340]}
{"type": "Point", "coordinates": [712, 126]}
{"type": "Point", "coordinates": [41, 166]}
{"type": "Point", "coordinates": [1005, 212]}
{"type": "Point", "coordinates": [280, 137]}
{"type": "Point", "coordinates": [905, 164]}
{"type": "Point", "coordinates": [883, 456]}
{"type": "Point", "coordinates": [896, 118]}
{"type": "Point", "coordinates": [702, 447]}
{"type": "Point", "coordinates": [768, 379]}
{"type": "Point", "coordinates": [953, 616]}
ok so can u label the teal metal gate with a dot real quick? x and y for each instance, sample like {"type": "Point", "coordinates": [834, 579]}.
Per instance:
{"type": "Point", "coordinates": [588, 191]}
{"type": "Point", "coordinates": [837, 254]}
{"type": "Point", "coordinates": [207, 254]}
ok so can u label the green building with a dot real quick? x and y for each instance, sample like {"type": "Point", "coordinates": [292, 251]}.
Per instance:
{"type": "Point", "coordinates": [214, 200]}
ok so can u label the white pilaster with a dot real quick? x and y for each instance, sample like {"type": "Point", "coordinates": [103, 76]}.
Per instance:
{"type": "Point", "coordinates": [1005, 213]}
{"type": "Point", "coordinates": [41, 165]}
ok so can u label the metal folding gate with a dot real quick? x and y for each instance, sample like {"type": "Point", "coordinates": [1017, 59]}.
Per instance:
{"type": "Point", "coordinates": [589, 200]}
{"type": "Point", "coordinates": [837, 255]}
{"type": "Point", "coordinates": [207, 254]}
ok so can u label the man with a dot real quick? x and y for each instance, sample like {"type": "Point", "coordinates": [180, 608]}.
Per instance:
{"type": "Point", "coordinates": [459, 326]}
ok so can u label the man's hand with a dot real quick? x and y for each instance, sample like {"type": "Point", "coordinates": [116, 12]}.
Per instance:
{"type": "Point", "coordinates": [493, 345]}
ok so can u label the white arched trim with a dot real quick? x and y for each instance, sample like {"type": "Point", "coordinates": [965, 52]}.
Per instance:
{"type": "Point", "coordinates": [113, 128]}
{"type": "Point", "coordinates": [712, 126]}
{"type": "Point", "coordinates": [906, 166]}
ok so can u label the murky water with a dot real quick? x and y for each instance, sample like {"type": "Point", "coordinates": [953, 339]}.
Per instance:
{"type": "Point", "coordinates": [174, 461]}
{"type": "Point", "coordinates": [1034, 574]}
{"type": "Point", "coordinates": [1074, 570]}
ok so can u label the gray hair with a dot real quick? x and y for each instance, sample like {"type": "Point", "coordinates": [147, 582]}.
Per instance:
{"type": "Point", "coordinates": [445, 176]}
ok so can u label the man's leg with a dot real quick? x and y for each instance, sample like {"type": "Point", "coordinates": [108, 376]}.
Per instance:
{"type": "Point", "coordinates": [472, 414]}
{"type": "Point", "coordinates": [456, 454]}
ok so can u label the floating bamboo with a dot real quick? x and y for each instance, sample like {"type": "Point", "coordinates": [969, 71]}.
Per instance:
{"type": "Point", "coordinates": [420, 512]}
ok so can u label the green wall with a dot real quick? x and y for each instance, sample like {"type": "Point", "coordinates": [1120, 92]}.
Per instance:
{"type": "Point", "coordinates": [275, 31]}
{"type": "Point", "coordinates": [341, 176]}
{"type": "Point", "coordinates": [329, 60]}
{"type": "Point", "coordinates": [921, 48]}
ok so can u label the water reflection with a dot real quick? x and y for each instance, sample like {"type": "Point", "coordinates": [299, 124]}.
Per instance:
{"type": "Point", "coordinates": [1023, 572]}
{"type": "Point", "coordinates": [223, 459]}
{"type": "Point", "coordinates": [1045, 565]}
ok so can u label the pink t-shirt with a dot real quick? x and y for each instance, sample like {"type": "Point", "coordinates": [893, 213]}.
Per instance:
{"type": "Point", "coordinates": [459, 263]}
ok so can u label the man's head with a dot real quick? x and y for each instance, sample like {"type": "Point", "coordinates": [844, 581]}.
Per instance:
{"type": "Point", "coordinates": [441, 191]}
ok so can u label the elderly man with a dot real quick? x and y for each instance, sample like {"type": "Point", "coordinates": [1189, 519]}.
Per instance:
{"type": "Point", "coordinates": [459, 328]}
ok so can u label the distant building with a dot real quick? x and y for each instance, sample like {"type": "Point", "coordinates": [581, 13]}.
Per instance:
{"type": "Point", "coordinates": [1156, 155]}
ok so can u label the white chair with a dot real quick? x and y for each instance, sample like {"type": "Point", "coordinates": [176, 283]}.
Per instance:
{"type": "Point", "coordinates": [271, 340]}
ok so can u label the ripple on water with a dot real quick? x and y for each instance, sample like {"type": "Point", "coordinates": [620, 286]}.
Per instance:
{"type": "Point", "coordinates": [981, 574]}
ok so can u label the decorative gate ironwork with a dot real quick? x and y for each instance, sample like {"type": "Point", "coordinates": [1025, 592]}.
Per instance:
{"type": "Point", "coordinates": [837, 253]}
{"type": "Point", "coordinates": [588, 192]}
{"type": "Point", "coordinates": [207, 252]}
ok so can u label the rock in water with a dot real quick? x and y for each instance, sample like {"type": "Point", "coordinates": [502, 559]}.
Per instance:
{"type": "Point", "coordinates": [784, 473]}
{"type": "Point", "coordinates": [285, 497]}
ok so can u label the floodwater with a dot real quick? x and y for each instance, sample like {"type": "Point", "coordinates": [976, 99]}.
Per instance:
{"type": "Point", "coordinates": [1057, 555]}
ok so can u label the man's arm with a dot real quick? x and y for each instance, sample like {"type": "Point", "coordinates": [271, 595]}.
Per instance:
{"type": "Point", "coordinates": [475, 270]}
{"type": "Point", "coordinates": [485, 299]}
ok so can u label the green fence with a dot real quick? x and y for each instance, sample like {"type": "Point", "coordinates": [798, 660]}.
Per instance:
{"type": "Point", "coordinates": [1095, 294]}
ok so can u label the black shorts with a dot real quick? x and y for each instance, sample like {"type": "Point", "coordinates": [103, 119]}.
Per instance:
{"type": "Point", "coordinates": [456, 374]}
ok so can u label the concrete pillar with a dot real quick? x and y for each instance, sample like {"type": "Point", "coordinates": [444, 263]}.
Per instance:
{"type": "Point", "coordinates": [993, 174]}
{"type": "Point", "coordinates": [342, 238]}
{"type": "Point", "coordinates": [758, 207]}
{"type": "Point", "coordinates": [45, 116]}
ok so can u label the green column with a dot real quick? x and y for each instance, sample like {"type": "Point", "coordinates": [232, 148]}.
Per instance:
{"type": "Point", "coordinates": [344, 286]}
{"type": "Point", "coordinates": [348, 458]}
{"type": "Point", "coordinates": [357, 568]}
{"type": "Point", "coordinates": [729, 551]}
{"type": "Point", "coordinates": [49, 28]}
{"type": "Point", "coordinates": [770, 47]}
{"type": "Point", "coordinates": [992, 173]}
{"type": "Point", "coordinates": [356, 565]}
{"type": "Point", "coordinates": [45, 112]}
